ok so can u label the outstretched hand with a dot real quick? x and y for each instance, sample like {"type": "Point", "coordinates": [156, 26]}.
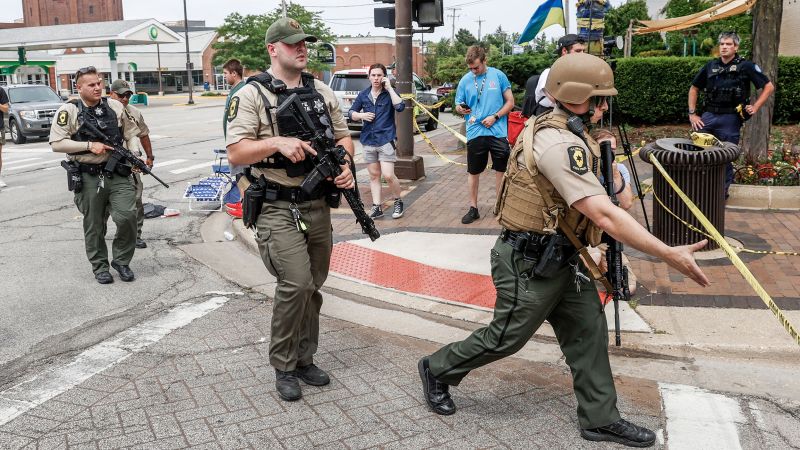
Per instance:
{"type": "Point", "coordinates": [682, 258]}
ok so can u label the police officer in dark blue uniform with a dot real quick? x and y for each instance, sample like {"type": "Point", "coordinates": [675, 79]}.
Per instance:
{"type": "Point", "coordinates": [726, 83]}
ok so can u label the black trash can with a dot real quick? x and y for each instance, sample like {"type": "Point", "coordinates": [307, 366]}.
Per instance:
{"type": "Point", "coordinates": [700, 173]}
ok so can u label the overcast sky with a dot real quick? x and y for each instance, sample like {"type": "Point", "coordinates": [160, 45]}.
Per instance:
{"type": "Point", "coordinates": [342, 16]}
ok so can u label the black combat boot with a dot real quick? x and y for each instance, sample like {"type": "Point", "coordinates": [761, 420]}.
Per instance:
{"type": "Point", "coordinates": [125, 272]}
{"type": "Point", "coordinates": [104, 277]}
{"type": "Point", "coordinates": [437, 394]}
{"type": "Point", "coordinates": [622, 432]}
{"type": "Point", "coordinates": [313, 375]}
{"type": "Point", "coordinates": [287, 385]}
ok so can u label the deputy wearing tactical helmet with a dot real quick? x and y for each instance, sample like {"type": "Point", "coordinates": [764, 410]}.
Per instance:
{"type": "Point", "coordinates": [551, 197]}
{"type": "Point", "coordinates": [293, 230]}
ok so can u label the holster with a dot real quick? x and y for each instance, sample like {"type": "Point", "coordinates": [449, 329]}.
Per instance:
{"type": "Point", "coordinates": [334, 197]}
{"type": "Point", "coordinates": [253, 201]}
{"type": "Point", "coordinates": [556, 251]}
{"type": "Point", "coordinates": [74, 180]}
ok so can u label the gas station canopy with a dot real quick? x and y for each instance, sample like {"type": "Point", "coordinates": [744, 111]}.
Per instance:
{"type": "Point", "coordinates": [95, 34]}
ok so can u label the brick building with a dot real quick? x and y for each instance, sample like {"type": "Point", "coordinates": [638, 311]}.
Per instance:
{"type": "Point", "coordinates": [361, 52]}
{"type": "Point", "coordinates": [59, 12]}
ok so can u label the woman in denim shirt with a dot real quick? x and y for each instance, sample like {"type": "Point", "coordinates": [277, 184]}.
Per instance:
{"type": "Point", "coordinates": [375, 106]}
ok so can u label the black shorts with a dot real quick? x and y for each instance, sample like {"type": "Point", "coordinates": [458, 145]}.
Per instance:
{"type": "Point", "coordinates": [478, 150]}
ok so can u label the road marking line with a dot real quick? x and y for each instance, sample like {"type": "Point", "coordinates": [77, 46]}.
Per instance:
{"type": "Point", "coordinates": [25, 166]}
{"type": "Point", "coordinates": [16, 161]}
{"type": "Point", "coordinates": [194, 167]}
{"type": "Point", "coordinates": [697, 418]}
{"type": "Point", "coordinates": [40, 388]}
{"type": "Point", "coordinates": [52, 168]}
{"type": "Point", "coordinates": [168, 163]}
{"type": "Point", "coordinates": [28, 150]}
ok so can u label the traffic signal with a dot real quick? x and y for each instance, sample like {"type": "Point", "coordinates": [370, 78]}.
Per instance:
{"type": "Point", "coordinates": [427, 13]}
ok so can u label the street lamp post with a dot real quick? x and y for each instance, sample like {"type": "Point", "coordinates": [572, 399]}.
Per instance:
{"type": "Point", "coordinates": [188, 60]}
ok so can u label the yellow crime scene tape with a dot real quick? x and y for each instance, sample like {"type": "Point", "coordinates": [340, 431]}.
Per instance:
{"type": "Point", "coordinates": [717, 237]}
{"type": "Point", "coordinates": [420, 106]}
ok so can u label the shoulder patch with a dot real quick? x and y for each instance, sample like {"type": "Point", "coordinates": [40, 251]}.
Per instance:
{"type": "Point", "coordinates": [233, 108]}
{"type": "Point", "coordinates": [578, 162]}
{"type": "Point", "coordinates": [62, 118]}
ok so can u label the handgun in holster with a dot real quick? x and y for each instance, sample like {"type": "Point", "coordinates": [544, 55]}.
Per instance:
{"type": "Point", "coordinates": [253, 201]}
{"type": "Point", "coordinates": [74, 180]}
{"type": "Point", "coordinates": [552, 257]}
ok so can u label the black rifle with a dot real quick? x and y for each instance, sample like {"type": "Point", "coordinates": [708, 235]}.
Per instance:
{"type": "Point", "coordinates": [327, 163]}
{"type": "Point", "coordinates": [617, 274]}
{"type": "Point", "coordinates": [120, 153]}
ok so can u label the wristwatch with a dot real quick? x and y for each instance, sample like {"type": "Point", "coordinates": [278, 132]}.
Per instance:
{"type": "Point", "coordinates": [692, 111]}
{"type": "Point", "coordinates": [496, 117]}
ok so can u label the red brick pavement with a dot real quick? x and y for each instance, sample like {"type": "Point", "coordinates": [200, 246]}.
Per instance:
{"type": "Point", "coordinates": [437, 202]}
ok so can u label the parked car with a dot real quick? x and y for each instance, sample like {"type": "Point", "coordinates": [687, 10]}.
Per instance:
{"type": "Point", "coordinates": [346, 84]}
{"type": "Point", "coordinates": [445, 89]}
{"type": "Point", "coordinates": [31, 110]}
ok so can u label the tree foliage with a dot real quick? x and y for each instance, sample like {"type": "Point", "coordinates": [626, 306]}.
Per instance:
{"type": "Point", "coordinates": [242, 37]}
{"type": "Point", "coordinates": [618, 19]}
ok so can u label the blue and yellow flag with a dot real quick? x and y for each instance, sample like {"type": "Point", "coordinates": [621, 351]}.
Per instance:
{"type": "Point", "coordinates": [551, 12]}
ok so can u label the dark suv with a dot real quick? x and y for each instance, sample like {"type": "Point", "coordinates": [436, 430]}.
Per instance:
{"type": "Point", "coordinates": [31, 110]}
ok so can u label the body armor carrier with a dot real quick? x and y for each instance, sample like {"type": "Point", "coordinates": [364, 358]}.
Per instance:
{"type": "Point", "coordinates": [521, 206]}
{"type": "Point", "coordinates": [314, 104]}
{"type": "Point", "coordinates": [726, 87]}
{"type": "Point", "coordinates": [101, 116]}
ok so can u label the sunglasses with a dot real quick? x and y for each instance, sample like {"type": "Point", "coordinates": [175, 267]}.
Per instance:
{"type": "Point", "coordinates": [84, 71]}
{"type": "Point", "coordinates": [126, 95]}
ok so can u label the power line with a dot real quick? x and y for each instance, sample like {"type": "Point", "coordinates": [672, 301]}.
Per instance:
{"type": "Point", "coordinates": [454, 16]}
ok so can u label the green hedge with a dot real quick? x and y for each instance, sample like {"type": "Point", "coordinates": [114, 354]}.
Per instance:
{"type": "Point", "coordinates": [654, 90]}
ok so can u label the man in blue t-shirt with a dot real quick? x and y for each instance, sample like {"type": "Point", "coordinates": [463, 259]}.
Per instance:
{"type": "Point", "coordinates": [484, 98]}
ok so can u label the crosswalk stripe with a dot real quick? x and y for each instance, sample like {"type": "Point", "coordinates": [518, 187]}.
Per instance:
{"type": "Point", "coordinates": [17, 161]}
{"type": "Point", "coordinates": [697, 418]}
{"type": "Point", "coordinates": [25, 166]}
{"type": "Point", "coordinates": [168, 163]}
{"type": "Point", "coordinates": [194, 167]}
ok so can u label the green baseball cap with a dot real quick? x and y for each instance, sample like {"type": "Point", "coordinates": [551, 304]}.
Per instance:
{"type": "Point", "coordinates": [121, 87]}
{"type": "Point", "coordinates": [288, 31]}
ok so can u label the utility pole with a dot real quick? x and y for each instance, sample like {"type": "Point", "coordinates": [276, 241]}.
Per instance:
{"type": "Point", "coordinates": [480, 21]}
{"type": "Point", "coordinates": [188, 60]}
{"type": "Point", "coordinates": [408, 166]}
{"type": "Point", "coordinates": [454, 16]}
{"type": "Point", "coordinates": [283, 2]}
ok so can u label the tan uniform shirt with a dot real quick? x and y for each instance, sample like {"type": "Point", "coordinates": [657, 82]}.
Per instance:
{"type": "Point", "coordinates": [566, 162]}
{"type": "Point", "coordinates": [138, 129]}
{"type": "Point", "coordinates": [66, 124]}
{"type": "Point", "coordinates": [247, 119]}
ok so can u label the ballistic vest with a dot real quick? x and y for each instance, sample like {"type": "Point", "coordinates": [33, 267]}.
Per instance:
{"type": "Point", "coordinates": [288, 125]}
{"type": "Point", "coordinates": [101, 116]}
{"type": "Point", "coordinates": [727, 86]}
{"type": "Point", "coordinates": [521, 205]}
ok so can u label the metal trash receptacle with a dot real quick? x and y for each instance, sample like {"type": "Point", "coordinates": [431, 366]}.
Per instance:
{"type": "Point", "coordinates": [700, 173]}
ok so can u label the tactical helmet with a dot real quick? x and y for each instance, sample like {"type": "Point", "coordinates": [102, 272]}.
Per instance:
{"type": "Point", "coordinates": [576, 77]}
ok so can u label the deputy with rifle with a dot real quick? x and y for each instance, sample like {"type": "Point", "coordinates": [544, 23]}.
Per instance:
{"type": "Point", "coordinates": [100, 190]}
{"type": "Point", "coordinates": [551, 206]}
{"type": "Point", "coordinates": [293, 227]}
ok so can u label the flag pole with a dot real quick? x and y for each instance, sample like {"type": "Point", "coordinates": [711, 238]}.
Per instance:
{"type": "Point", "coordinates": [566, 16]}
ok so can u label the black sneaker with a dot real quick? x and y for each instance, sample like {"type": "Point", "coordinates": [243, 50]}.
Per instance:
{"type": "Point", "coordinates": [622, 432]}
{"type": "Point", "coordinates": [140, 243]}
{"type": "Point", "coordinates": [437, 394]}
{"type": "Point", "coordinates": [287, 385]}
{"type": "Point", "coordinates": [313, 375]}
{"type": "Point", "coordinates": [471, 215]}
{"type": "Point", "coordinates": [376, 212]}
{"type": "Point", "coordinates": [398, 209]}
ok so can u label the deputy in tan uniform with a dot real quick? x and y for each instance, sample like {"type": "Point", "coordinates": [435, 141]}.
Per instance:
{"type": "Point", "coordinates": [137, 138]}
{"type": "Point", "coordinates": [293, 231]}
{"type": "Point", "coordinates": [550, 198]}
{"type": "Point", "coordinates": [101, 193]}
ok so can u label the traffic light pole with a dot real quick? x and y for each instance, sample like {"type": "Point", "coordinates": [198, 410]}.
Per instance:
{"type": "Point", "coordinates": [408, 166]}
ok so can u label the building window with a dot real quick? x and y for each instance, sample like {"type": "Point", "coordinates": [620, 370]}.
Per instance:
{"type": "Point", "coordinates": [91, 10]}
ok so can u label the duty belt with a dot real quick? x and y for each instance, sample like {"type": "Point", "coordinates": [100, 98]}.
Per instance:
{"type": "Point", "coordinates": [91, 169]}
{"type": "Point", "coordinates": [276, 191]}
{"type": "Point", "coordinates": [721, 109]}
{"type": "Point", "coordinates": [519, 240]}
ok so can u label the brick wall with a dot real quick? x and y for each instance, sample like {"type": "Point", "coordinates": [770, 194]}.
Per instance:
{"type": "Point", "coordinates": [360, 55]}
{"type": "Point", "coordinates": [60, 12]}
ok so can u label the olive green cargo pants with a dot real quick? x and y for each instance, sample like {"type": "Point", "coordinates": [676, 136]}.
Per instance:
{"type": "Point", "coordinates": [300, 262]}
{"type": "Point", "coordinates": [137, 180]}
{"type": "Point", "coordinates": [523, 303]}
{"type": "Point", "coordinates": [116, 198]}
